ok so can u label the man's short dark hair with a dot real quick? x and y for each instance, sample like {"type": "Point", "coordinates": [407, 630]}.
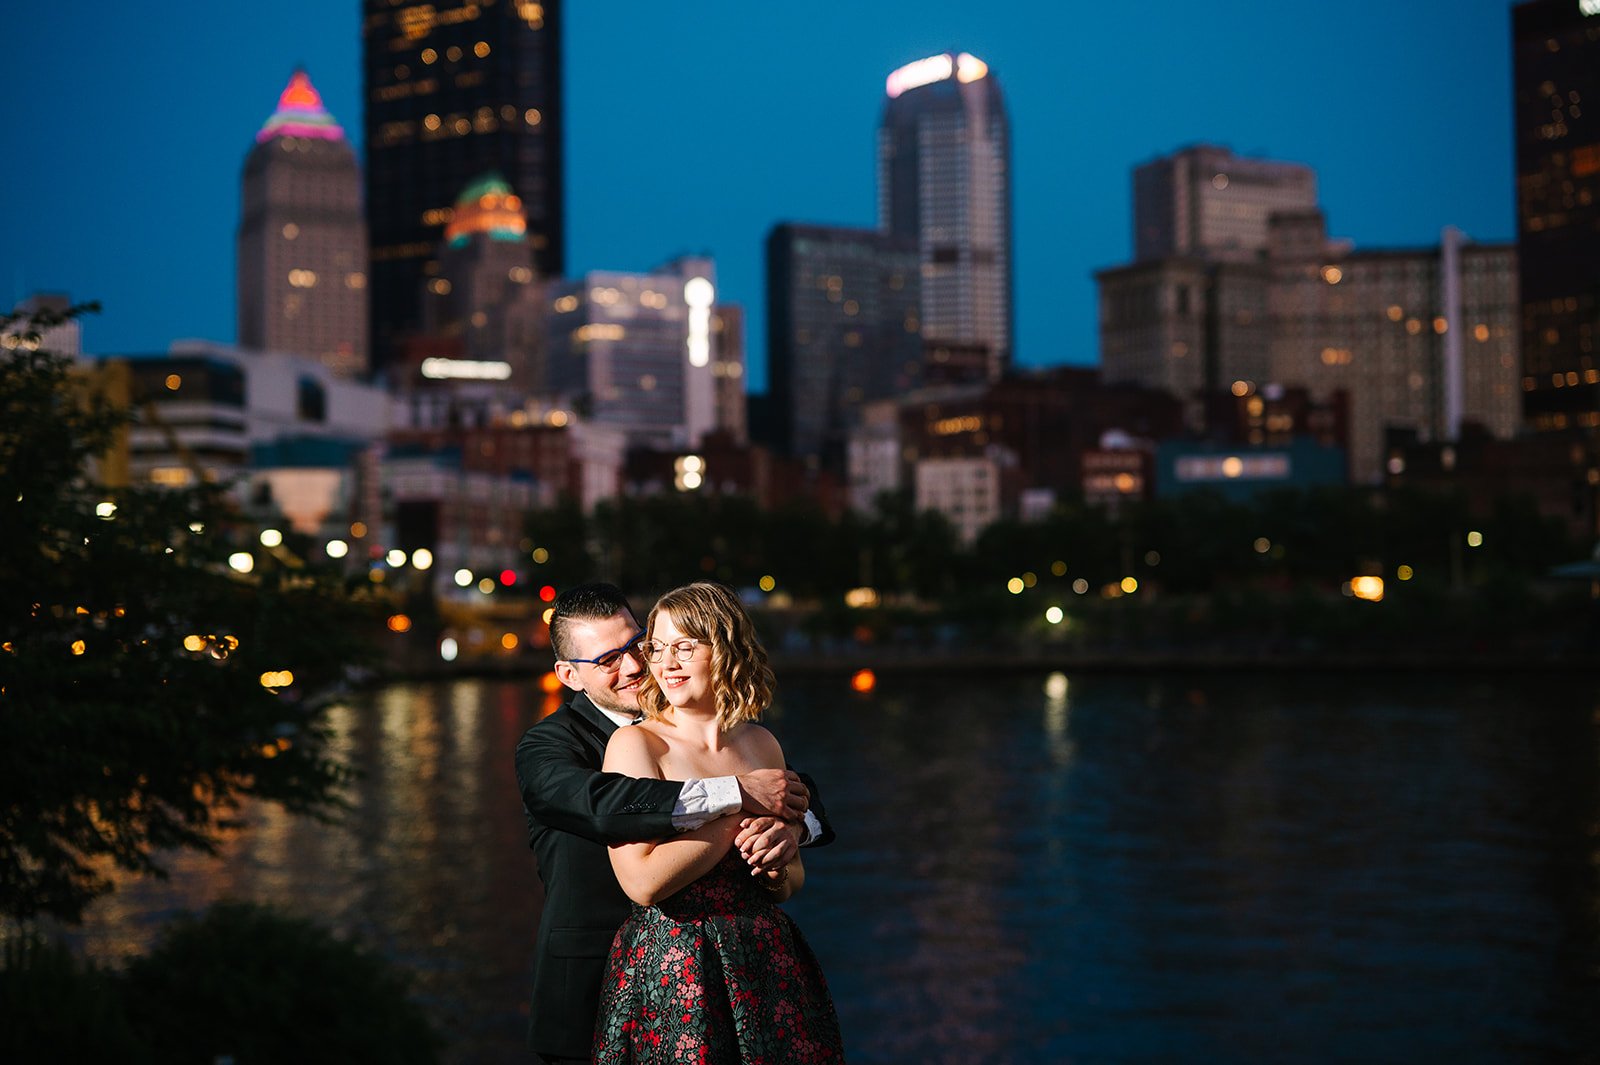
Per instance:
{"type": "Point", "coordinates": [595, 601]}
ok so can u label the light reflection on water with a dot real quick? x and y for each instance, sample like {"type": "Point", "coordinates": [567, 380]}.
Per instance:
{"type": "Point", "coordinates": [1040, 868]}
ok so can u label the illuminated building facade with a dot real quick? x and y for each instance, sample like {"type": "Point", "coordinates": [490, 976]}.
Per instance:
{"type": "Point", "coordinates": [634, 351]}
{"type": "Point", "coordinates": [1184, 324]}
{"type": "Point", "coordinates": [485, 305]}
{"type": "Point", "coordinates": [728, 372]}
{"type": "Point", "coordinates": [1032, 428]}
{"type": "Point", "coordinates": [452, 93]}
{"type": "Point", "coordinates": [302, 281]}
{"type": "Point", "coordinates": [1419, 341]}
{"type": "Point", "coordinates": [1556, 113]}
{"type": "Point", "coordinates": [944, 182]}
{"type": "Point", "coordinates": [843, 329]}
{"type": "Point", "coordinates": [965, 490]}
{"type": "Point", "coordinates": [222, 413]}
{"type": "Point", "coordinates": [1205, 202]}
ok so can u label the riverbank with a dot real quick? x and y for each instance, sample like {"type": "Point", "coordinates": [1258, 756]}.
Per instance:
{"type": "Point", "coordinates": [891, 661]}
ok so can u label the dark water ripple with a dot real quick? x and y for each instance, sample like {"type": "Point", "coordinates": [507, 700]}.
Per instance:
{"type": "Point", "coordinates": [1031, 869]}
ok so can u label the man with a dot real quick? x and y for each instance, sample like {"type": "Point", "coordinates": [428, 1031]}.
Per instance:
{"type": "Point", "coordinates": [574, 811]}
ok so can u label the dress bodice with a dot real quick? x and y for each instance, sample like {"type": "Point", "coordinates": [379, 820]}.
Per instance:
{"type": "Point", "coordinates": [727, 890]}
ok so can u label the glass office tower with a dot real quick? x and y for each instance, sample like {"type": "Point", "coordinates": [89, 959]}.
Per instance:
{"type": "Point", "coordinates": [1556, 111]}
{"type": "Point", "coordinates": [944, 181]}
{"type": "Point", "coordinates": [452, 93]}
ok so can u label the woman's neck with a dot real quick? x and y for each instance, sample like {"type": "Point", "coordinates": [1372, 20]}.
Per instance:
{"type": "Point", "coordinates": [697, 726]}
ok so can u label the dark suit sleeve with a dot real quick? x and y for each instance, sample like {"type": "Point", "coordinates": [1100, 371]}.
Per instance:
{"type": "Point", "coordinates": [562, 788]}
{"type": "Point", "coordinates": [817, 810]}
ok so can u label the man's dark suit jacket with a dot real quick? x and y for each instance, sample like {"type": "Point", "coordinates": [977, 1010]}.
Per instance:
{"type": "Point", "coordinates": [574, 812]}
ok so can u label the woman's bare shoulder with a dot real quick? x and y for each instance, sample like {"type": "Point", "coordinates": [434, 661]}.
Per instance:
{"type": "Point", "coordinates": [760, 745]}
{"type": "Point", "coordinates": [635, 746]}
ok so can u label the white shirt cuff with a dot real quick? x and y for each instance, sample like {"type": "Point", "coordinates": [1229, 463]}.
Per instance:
{"type": "Point", "coordinates": [702, 801]}
{"type": "Point", "coordinates": [813, 828]}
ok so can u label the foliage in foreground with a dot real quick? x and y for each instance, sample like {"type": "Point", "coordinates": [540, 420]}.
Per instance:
{"type": "Point", "coordinates": [242, 981]}
{"type": "Point", "coordinates": [133, 715]}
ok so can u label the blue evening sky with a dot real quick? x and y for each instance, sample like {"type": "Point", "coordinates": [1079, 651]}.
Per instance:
{"type": "Point", "coordinates": [695, 127]}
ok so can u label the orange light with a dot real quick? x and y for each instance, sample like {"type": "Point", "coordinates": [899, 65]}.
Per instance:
{"type": "Point", "coordinates": [509, 641]}
{"type": "Point", "coordinates": [863, 680]}
{"type": "Point", "coordinates": [550, 684]}
{"type": "Point", "coordinates": [399, 623]}
{"type": "Point", "coordinates": [1368, 587]}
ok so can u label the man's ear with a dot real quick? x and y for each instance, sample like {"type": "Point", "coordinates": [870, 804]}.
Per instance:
{"type": "Point", "coordinates": [567, 673]}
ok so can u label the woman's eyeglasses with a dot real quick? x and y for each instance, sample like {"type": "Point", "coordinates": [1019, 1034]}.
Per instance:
{"type": "Point", "coordinates": [683, 650]}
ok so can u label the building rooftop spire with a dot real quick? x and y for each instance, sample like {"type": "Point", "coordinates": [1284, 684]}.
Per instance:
{"type": "Point", "coordinates": [487, 206]}
{"type": "Point", "coordinates": [300, 113]}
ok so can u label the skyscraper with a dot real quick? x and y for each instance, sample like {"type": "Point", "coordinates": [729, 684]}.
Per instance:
{"type": "Point", "coordinates": [1206, 202]}
{"type": "Point", "coordinates": [944, 181]}
{"type": "Point", "coordinates": [843, 330]}
{"type": "Point", "coordinates": [485, 301]}
{"type": "Point", "coordinates": [451, 94]}
{"type": "Point", "coordinates": [1556, 81]}
{"type": "Point", "coordinates": [302, 282]}
{"type": "Point", "coordinates": [1418, 341]}
{"type": "Point", "coordinates": [635, 351]}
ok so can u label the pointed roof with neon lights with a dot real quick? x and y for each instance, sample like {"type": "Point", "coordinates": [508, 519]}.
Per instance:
{"type": "Point", "coordinates": [487, 206]}
{"type": "Point", "coordinates": [300, 113]}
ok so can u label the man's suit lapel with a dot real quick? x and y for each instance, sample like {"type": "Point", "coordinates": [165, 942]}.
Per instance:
{"type": "Point", "coordinates": [593, 720]}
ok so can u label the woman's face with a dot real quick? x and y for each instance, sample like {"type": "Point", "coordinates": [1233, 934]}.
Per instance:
{"type": "Point", "coordinates": [684, 684]}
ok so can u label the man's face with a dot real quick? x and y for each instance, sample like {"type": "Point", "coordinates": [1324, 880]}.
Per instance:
{"type": "Point", "coordinates": [618, 691]}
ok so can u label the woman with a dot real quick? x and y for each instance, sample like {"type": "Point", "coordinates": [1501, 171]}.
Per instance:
{"type": "Point", "coordinates": [707, 969]}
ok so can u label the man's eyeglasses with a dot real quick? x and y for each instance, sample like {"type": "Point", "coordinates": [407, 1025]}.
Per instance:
{"type": "Point", "coordinates": [683, 650]}
{"type": "Point", "coordinates": [611, 661]}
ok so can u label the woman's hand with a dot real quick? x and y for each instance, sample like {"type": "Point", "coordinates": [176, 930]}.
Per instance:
{"type": "Point", "coordinates": [767, 844]}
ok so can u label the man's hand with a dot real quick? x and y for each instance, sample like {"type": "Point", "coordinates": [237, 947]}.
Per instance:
{"type": "Point", "coordinates": [774, 793]}
{"type": "Point", "coordinates": [767, 844]}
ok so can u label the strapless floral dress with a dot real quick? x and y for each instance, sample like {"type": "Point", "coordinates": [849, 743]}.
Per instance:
{"type": "Point", "coordinates": [717, 974]}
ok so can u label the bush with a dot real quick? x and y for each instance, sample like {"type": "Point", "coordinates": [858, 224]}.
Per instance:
{"type": "Point", "coordinates": [58, 1009]}
{"type": "Point", "coordinates": [250, 983]}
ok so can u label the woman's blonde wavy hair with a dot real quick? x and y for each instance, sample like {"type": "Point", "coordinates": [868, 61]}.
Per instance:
{"type": "Point", "coordinates": [740, 677]}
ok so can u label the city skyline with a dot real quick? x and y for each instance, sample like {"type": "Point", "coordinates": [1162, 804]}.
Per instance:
{"type": "Point", "coordinates": [697, 136]}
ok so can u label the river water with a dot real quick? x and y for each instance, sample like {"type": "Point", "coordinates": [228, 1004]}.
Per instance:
{"type": "Point", "coordinates": [1042, 868]}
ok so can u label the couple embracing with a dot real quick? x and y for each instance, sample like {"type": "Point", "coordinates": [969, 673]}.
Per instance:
{"type": "Point", "coordinates": [656, 803]}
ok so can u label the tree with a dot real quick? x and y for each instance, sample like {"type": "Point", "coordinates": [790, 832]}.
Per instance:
{"type": "Point", "coordinates": [146, 689]}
